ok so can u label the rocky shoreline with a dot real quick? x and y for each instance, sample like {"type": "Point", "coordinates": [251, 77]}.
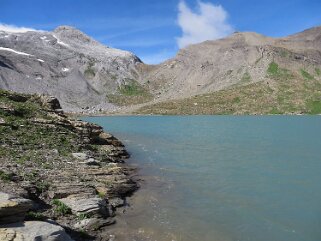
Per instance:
{"type": "Point", "coordinates": [60, 178]}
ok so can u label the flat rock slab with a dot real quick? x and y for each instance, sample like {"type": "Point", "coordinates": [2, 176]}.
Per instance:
{"type": "Point", "coordinates": [85, 205]}
{"type": "Point", "coordinates": [13, 208]}
{"type": "Point", "coordinates": [33, 230]}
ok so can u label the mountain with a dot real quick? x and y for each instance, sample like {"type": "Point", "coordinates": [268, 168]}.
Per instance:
{"type": "Point", "coordinates": [65, 63]}
{"type": "Point", "coordinates": [283, 74]}
{"type": "Point", "coordinates": [245, 73]}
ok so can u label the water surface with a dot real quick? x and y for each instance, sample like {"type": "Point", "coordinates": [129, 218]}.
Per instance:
{"type": "Point", "coordinates": [224, 178]}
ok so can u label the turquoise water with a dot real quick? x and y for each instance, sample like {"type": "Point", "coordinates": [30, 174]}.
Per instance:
{"type": "Point", "coordinates": [214, 178]}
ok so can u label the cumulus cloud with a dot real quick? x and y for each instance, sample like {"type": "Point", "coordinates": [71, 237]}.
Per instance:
{"type": "Point", "coordinates": [14, 29]}
{"type": "Point", "coordinates": [207, 23]}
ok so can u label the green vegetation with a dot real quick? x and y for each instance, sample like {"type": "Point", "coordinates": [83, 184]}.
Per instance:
{"type": "Point", "coordinates": [277, 73]}
{"type": "Point", "coordinates": [246, 77]}
{"type": "Point", "coordinates": [42, 185]}
{"type": "Point", "coordinates": [284, 53]}
{"type": "Point", "coordinates": [61, 208]}
{"type": "Point", "coordinates": [236, 100]}
{"type": "Point", "coordinates": [314, 107]}
{"type": "Point", "coordinates": [6, 177]}
{"type": "Point", "coordinates": [275, 111]}
{"type": "Point", "coordinates": [101, 194]}
{"type": "Point", "coordinates": [90, 71]}
{"type": "Point", "coordinates": [306, 75]}
{"type": "Point", "coordinates": [132, 88]}
{"type": "Point", "coordinates": [285, 95]}
{"type": "Point", "coordinates": [83, 216]}
{"type": "Point", "coordinates": [317, 71]}
{"type": "Point", "coordinates": [130, 93]}
{"type": "Point", "coordinates": [35, 216]}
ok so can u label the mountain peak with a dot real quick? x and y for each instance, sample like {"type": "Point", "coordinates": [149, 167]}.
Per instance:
{"type": "Point", "coordinates": [65, 28]}
{"type": "Point", "coordinates": [69, 32]}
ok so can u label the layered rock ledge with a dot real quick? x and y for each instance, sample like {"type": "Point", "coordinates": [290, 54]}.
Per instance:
{"type": "Point", "coordinates": [60, 178]}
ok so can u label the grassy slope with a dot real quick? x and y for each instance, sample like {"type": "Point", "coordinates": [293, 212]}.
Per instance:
{"type": "Point", "coordinates": [130, 94]}
{"type": "Point", "coordinates": [283, 93]}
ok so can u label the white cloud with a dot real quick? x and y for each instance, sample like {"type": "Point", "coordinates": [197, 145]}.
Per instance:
{"type": "Point", "coordinates": [14, 29]}
{"type": "Point", "coordinates": [208, 23]}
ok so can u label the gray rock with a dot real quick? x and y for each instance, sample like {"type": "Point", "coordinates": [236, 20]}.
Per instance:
{"type": "Point", "coordinates": [2, 122]}
{"type": "Point", "coordinates": [92, 162]}
{"type": "Point", "coordinates": [116, 202]}
{"type": "Point", "coordinates": [80, 156]}
{"type": "Point", "coordinates": [65, 189]}
{"type": "Point", "coordinates": [86, 205]}
{"type": "Point", "coordinates": [33, 231]}
{"type": "Point", "coordinates": [13, 208]}
{"type": "Point", "coordinates": [94, 223]}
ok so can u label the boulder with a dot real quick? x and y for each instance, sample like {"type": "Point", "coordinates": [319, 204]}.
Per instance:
{"type": "Point", "coordinates": [33, 230]}
{"type": "Point", "coordinates": [13, 208]}
{"type": "Point", "coordinates": [50, 101]}
{"type": "Point", "coordinates": [116, 202]}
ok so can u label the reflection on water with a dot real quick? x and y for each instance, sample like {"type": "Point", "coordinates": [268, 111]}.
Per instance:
{"type": "Point", "coordinates": [220, 178]}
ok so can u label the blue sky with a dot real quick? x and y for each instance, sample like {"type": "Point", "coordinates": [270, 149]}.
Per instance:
{"type": "Point", "coordinates": [156, 29]}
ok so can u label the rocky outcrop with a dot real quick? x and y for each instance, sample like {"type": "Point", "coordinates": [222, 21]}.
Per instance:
{"type": "Point", "coordinates": [73, 171]}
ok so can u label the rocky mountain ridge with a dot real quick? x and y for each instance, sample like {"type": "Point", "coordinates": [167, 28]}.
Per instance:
{"type": "Point", "coordinates": [89, 77]}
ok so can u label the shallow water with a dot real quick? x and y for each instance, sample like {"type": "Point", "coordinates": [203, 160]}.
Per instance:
{"type": "Point", "coordinates": [214, 178]}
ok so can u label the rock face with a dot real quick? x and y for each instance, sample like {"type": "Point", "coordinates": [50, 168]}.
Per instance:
{"type": "Point", "coordinates": [33, 230]}
{"type": "Point", "coordinates": [66, 64]}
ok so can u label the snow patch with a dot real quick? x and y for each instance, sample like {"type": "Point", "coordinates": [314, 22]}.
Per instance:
{"type": "Point", "coordinates": [43, 37]}
{"type": "Point", "coordinates": [40, 60]}
{"type": "Point", "coordinates": [38, 78]}
{"type": "Point", "coordinates": [65, 69]}
{"type": "Point", "coordinates": [15, 51]}
{"type": "Point", "coordinates": [60, 42]}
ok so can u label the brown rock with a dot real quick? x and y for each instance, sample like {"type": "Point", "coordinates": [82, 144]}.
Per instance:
{"type": "Point", "coordinates": [13, 208]}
